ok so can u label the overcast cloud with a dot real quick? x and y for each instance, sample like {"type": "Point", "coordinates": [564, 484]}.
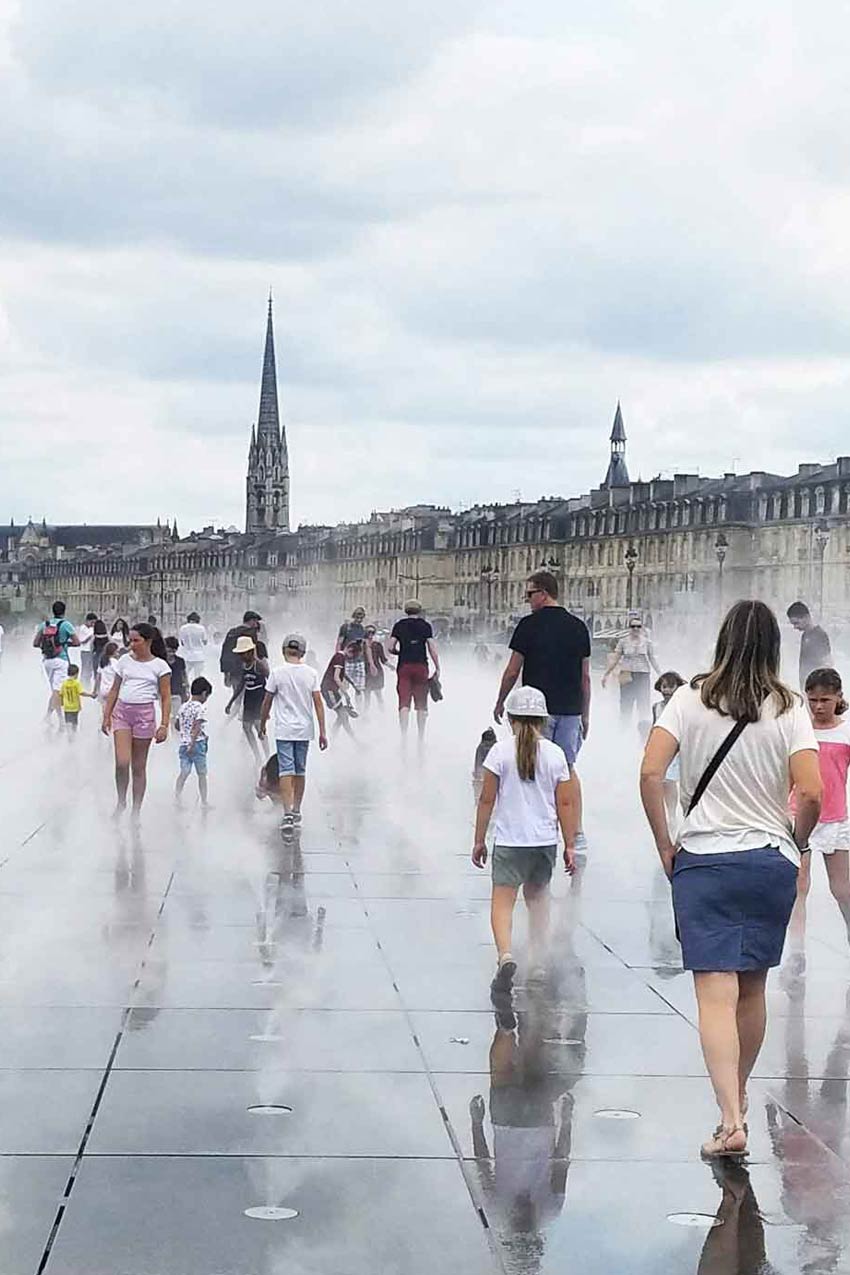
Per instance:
{"type": "Point", "coordinates": [483, 225]}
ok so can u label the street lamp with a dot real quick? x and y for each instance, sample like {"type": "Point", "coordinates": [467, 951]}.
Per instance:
{"type": "Point", "coordinates": [489, 576]}
{"type": "Point", "coordinates": [721, 548]}
{"type": "Point", "coordinates": [631, 560]}
{"type": "Point", "coordinates": [821, 540]}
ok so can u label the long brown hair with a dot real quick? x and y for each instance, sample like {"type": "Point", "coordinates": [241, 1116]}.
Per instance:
{"type": "Point", "coordinates": [527, 731]}
{"type": "Point", "coordinates": [745, 672]}
{"type": "Point", "coordinates": [828, 679]}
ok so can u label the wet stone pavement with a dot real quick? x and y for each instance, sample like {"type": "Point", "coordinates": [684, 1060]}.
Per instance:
{"type": "Point", "coordinates": [201, 1022]}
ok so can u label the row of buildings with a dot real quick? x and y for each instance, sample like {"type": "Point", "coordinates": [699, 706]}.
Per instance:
{"type": "Point", "coordinates": [679, 546]}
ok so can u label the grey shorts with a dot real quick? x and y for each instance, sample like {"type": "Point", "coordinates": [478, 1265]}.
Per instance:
{"type": "Point", "coordinates": [523, 865]}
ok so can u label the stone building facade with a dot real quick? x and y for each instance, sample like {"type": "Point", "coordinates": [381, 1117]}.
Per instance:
{"type": "Point", "coordinates": [680, 546]}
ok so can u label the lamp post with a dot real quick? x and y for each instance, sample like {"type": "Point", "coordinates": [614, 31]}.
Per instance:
{"type": "Point", "coordinates": [489, 576]}
{"type": "Point", "coordinates": [821, 541]}
{"type": "Point", "coordinates": [721, 548]}
{"type": "Point", "coordinates": [630, 558]}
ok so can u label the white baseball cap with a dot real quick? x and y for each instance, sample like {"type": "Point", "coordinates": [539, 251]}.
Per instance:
{"type": "Point", "coordinates": [526, 701]}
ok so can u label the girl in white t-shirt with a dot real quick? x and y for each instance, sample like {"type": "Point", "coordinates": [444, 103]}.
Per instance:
{"type": "Point", "coordinates": [104, 673]}
{"type": "Point", "coordinates": [141, 678]}
{"type": "Point", "coordinates": [529, 784]}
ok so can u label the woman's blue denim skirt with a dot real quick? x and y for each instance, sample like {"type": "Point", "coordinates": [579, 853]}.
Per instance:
{"type": "Point", "coordinates": [732, 910]}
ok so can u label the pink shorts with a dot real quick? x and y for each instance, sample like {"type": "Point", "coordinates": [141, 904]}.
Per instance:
{"type": "Point", "coordinates": [138, 719]}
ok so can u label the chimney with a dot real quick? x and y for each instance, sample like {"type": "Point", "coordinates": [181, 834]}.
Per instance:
{"type": "Point", "coordinates": [843, 464]}
{"type": "Point", "coordinates": [806, 471]}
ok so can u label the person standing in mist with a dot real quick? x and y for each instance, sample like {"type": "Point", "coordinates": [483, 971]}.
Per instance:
{"type": "Point", "coordinates": [815, 651]}
{"type": "Point", "coordinates": [744, 739]}
{"type": "Point", "coordinates": [412, 640]}
{"type": "Point", "coordinates": [551, 649]}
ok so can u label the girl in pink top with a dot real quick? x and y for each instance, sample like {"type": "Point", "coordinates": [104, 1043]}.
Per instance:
{"type": "Point", "coordinates": [832, 833]}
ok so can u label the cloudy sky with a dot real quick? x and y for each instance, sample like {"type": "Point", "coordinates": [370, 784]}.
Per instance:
{"type": "Point", "coordinates": [483, 223]}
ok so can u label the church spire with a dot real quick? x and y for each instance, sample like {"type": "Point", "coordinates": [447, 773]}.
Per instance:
{"type": "Point", "coordinates": [268, 421]}
{"type": "Point", "coordinates": [267, 488]}
{"type": "Point", "coordinates": [618, 474]}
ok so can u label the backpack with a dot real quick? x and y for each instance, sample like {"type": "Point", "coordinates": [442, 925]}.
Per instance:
{"type": "Point", "coordinates": [51, 644]}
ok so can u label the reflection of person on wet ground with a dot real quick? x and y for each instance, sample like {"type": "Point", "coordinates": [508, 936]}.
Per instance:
{"type": "Point", "coordinates": [736, 1245]}
{"type": "Point", "coordinates": [667, 685]}
{"type": "Point", "coordinates": [141, 677]}
{"type": "Point", "coordinates": [531, 1111]}
{"type": "Point", "coordinates": [735, 875]}
{"type": "Point", "coordinates": [831, 836]}
{"type": "Point", "coordinates": [335, 693]}
{"type": "Point", "coordinates": [249, 687]}
{"type": "Point", "coordinates": [529, 785]}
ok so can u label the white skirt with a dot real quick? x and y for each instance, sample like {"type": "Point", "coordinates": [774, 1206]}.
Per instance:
{"type": "Point", "coordinates": [829, 837]}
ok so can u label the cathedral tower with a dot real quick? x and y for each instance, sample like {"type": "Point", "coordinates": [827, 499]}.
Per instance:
{"type": "Point", "coordinates": [267, 496]}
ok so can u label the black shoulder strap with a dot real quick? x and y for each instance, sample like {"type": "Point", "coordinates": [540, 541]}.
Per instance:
{"type": "Point", "coordinates": [715, 763]}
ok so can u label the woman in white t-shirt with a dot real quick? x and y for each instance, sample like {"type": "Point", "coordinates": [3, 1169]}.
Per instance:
{"type": "Point", "coordinates": [735, 870]}
{"type": "Point", "coordinates": [531, 788]}
{"type": "Point", "coordinates": [141, 678]}
{"type": "Point", "coordinates": [193, 644]}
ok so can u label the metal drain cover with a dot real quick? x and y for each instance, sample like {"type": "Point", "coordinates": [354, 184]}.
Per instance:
{"type": "Point", "coordinates": [270, 1109]}
{"type": "Point", "coordinates": [561, 1040]}
{"type": "Point", "coordinates": [267, 1213]}
{"type": "Point", "coordinates": [266, 1037]}
{"type": "Point", "coordinates": [614, 1113]}
{"type": "Point", "coordinates": [706, 1221]}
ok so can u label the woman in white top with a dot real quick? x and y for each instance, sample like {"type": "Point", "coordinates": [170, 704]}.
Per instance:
{"type": "Point", "coordinates": [529, 784]}
{"type": "Point", "coordinates": [634, 657]}
{"type": "Point", "coordinates": [193, 643]}
{"type": "Point", "coordinates": [735, 869]}
{"type": "Point", "coordinates": [141, 678]}
{"type": "Point", "coordinates": [104, 673]}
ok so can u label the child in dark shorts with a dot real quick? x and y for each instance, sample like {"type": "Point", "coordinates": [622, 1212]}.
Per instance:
{"type": "Point", "coordinates": [530, 787]}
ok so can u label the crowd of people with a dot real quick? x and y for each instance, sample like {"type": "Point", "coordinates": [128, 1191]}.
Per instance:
{"type": "Point", "coordinates": [742, 776]}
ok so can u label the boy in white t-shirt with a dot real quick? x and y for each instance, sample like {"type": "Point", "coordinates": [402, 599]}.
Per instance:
{"type": "Point", "coordinates": [293, 691]}
{"type": "Point", "coordinates": [529, 783]}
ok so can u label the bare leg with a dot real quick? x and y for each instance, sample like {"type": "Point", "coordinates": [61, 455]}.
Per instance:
{"type": "Point", "coordinates": [287, 793]}
{"type": "Point", "coordinates": [797, 924]}
{"type": "Point", "coordinates": [203, 789]}
{"type": "Point", "coordinates": [122, 741]}
{"type": "Point", "coordinates": [299, 783]}
{"type": "Point", "coordinates": [139, 765]}
{"type": "Point", "coordinates": [717, 998]}
{"type": "Point", "coordinates": [501, 916]}
{"type": "Point", "coordinates": [404, 719]}
{"type": "Point", "coordinates": [537, 901]}
{"type": "Point", "coordinates": [751, 1019]}
{"type": "Point", "coordinates": [838, 871]}
{"type": "Point", "coordinates": [421, 723]}
{"type": "Point", "coordinates": [181, 783]}
{"type": "Point", "coordinates": [249, 730]}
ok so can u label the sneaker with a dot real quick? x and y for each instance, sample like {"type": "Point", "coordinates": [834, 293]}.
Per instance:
{"type": "Point", "coordinates": [296, 818]}
{"type": "Point", "coordinates": [352, 712]}
{"type": "Point", "coordinates": [287, 822]}
{"type": "Point", "coordinates": [504, 976]}
{"type": "Point", "coordinates": [581, 843]}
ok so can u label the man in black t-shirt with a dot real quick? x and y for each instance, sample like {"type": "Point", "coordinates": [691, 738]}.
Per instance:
{"type": "Point", "coordinates": [353, 630]}
{"type": "Point", "coordinates": [230, 663]}
{"type": "Point", "coordinates": [412, 639]}
{"type": "Point", "coordinates": [815, 651]}
{"type": "Point", "coordinates": [551, 649]}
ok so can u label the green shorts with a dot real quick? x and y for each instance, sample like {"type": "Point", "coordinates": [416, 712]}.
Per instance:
{"type": "Point", "coordinates": [523, 865]}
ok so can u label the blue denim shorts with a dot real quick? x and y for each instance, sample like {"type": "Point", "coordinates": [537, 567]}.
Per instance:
{"type": "Point", "coordinates": [566, 733]}
{"type": "Point", "coordinates": [732, 910]}
{"type": "Point", "coordinates": [196, 758]}
{"type": "Point", "coordinates": [292, 756]}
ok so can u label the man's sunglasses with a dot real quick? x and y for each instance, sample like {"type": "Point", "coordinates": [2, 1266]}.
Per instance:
{"type": "Point", "coordinates": [529, 593]}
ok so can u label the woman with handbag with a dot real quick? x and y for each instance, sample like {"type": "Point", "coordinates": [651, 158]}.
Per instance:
{"type": "Point", "coordinates": [632, 659]}
{"type": "Point", "coordinates": [744, 739]}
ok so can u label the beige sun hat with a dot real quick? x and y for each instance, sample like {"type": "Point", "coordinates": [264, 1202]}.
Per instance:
{"type": "Point", "coordinates": [243, 645]}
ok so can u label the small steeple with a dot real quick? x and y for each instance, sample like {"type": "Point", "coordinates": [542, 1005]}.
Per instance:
{"type": "Point", "coordinates": [618, 474]}
{"type": "Point", "coordinates": [175, 535]}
